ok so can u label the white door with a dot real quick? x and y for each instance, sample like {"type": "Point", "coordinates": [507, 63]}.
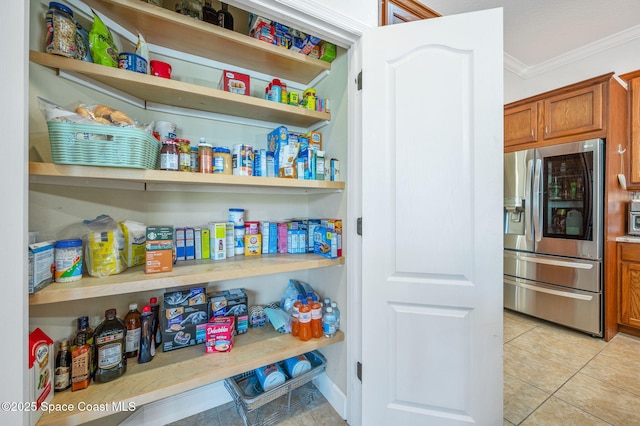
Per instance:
{"type": "Point", "coordinates": [432, 222]}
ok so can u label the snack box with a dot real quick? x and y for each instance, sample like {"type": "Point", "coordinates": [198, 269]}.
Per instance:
{"type": "Point", "coordinates": [235, 82]}
{"type": "Point", "coordinates": [220, 333]}
{"type": "Point", "coordinates": [233, 303]}
{"type": "Point", "coordinates": [336, 226]}
{"type": "Point", "coordinates": [41, 265]}
{"type": "Point", "coordinates": [159, 249]}
{"type": "Point", "coordinates": [183, 312]}
{"type": "Point", "coordinates": [327, 51]}
{"type": "Point", "coordinates": [41, 369]}
{"type": "Point", "coordinates": [325, 242]}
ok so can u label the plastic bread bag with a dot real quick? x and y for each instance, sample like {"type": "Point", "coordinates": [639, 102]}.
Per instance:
{"type": "Point", "coordinates": [103, 48]}
{"type": "Point", "coordinates": [135, 238]}
{"type": "Point", "coordinates": [295, 288]}
{"type": "Point", "coordinates": [104, 247]}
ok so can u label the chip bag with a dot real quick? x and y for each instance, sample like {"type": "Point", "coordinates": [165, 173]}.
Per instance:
{"type": "Point", "coordinates": [103, 49]}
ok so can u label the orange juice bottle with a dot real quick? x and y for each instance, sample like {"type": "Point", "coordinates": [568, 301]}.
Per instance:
{"type": "Point", "coordinates": [316, 318]}
{"type": "Point", "coordinates": [304, 320]}
{"type": "Point", "coordinates": [295, 324]}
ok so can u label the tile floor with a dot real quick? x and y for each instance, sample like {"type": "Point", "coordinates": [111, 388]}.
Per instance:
{"type": "Point", "coordinates": [553, 376]}
{"type": "Point", "coordinates": [557, 376]}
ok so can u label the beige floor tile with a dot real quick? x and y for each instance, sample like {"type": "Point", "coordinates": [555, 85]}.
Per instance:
{"type": "Point", "coordinates": [557, 412]}
{"type": "Point", "coordinates": [528, 319]}
{"type": "Point", "coordinates": [520, 399]}
{"type": "Point", "coordinates": [534, 369]}
{"type": "Point", "coordinates": [623, 346]}
{"type": "Point", "coordinates": [514, 328]}
{"type": "Point", "coordinates": [507, 423]}
{"type": "Point", "coordinates": [602, 400]}
{"type": "Point", "coordinates": [620, 372]}
{"type": "Point", "coordinates": [325, 415]}
{"type": "Point", "coordinates": [566, 347]}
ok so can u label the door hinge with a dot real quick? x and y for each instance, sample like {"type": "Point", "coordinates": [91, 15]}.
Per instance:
{"type": "Point", "coordinates": [359, 370]}
{"type": "Point", "coordinates": [359, 81]}
{"type": "Point", "coordinates": [359, 226]}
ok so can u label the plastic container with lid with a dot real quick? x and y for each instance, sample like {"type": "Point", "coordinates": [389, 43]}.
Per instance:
{"type": "Point", "coordinates": [68, 260]}
{"type": "Point", "coordinates": [205, 156]}
{"type": "Point", "coordinates": [61, 31]}
{"type": "Point", "coordinates": [222, 160]}
{"type": "Point", "coordinates": [169, 155]}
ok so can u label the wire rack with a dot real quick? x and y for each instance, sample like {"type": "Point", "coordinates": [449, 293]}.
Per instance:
{"type": "Point", "coordinates": [250, 399]}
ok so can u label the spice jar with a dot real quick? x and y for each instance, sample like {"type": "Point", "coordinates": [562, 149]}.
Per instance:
{"type": "Point", "coordinates": [205, 156]}
{"type": "Point", "coordinates": [184, 155]}
{"type": "Point", "coordinates": [61, 31]}
{"type": "Point", "coordinates": [222, 160]}
{"type": "Point", "coordinates": [169, 155]}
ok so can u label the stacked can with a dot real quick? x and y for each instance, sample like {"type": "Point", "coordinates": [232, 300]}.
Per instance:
{"type": "Point", "coordinates": [236, 216]}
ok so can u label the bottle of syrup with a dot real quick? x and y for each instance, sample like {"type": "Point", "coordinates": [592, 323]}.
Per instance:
{"type": "Point", "coordinates": [110, 344]}
{"type": "Point", "coordinates": [62, 373]}
{"type": "Point", "coordinates": [132, 320]}
{"type": "Point", "coordinates": [80, 362]}
{"type": "Point", "coordinates": [83, 325]}
{"type": "Point", "coordinates": [225, 19]}
{"type": "Point", "coordinates": [209, 14]}
{"type": "Point", "coordinates": [147, 347]}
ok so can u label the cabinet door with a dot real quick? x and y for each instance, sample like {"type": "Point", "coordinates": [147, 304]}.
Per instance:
{"type": "Point", "coordinates": [578, 111]}
{"type": "Point", "coordinates": [521, 124]}
{"type": "Point", "coordinates": [629, 282]}
{"type": "Point", "coordinates": [399, 11]}
{"type": "Point", "coordinates": [635, 131]}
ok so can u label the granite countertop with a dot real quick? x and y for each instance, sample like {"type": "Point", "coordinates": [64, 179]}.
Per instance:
{"type": "Point", "coordinates": [628, 239]}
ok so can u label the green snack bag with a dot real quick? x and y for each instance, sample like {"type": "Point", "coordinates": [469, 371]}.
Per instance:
{"type": "Point", "coordinates": [103, 49]}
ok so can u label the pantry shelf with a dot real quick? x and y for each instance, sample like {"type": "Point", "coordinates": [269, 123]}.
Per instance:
{"type": "Point", "coordinates": [185, 273]}
{"type": "Point", "coordinates": [174, 372]}
{"type": "Point", "coordinates": [164, 27]}
{"type": "Point", "coordinates": [158, 180]}
{"type": "Point", "coordinates": [164, 91]}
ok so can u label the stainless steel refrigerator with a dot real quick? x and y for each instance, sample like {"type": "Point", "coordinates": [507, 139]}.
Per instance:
{"type": "Point", "coordinates": [553, 233]}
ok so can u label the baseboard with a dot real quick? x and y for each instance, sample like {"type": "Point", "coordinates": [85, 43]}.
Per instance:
{"type": "Point", "coordinates": [178, 407]}
{"type": "Point", "coordinates": [332, 393]}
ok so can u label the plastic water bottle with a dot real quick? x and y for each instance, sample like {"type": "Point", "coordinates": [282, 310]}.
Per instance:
{"type": "Point", "coordinates": [329, 323]}
{"type": "Point", "coordinates": [336, 311]}
{"type": "Point", "coordinates": [325, 305]}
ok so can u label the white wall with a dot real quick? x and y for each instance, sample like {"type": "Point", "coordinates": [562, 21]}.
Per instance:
{"type": "Point", "coordinates": [564, 71]}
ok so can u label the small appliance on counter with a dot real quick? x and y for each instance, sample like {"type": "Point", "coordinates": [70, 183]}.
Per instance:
{"type": "Point", "coordinates": [634, 217]}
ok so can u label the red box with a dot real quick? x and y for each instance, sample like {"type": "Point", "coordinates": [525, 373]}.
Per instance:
{"type": "Point", "coordinates": [220, 333]}
{"type": "Point", "coordinates": [235, 82]}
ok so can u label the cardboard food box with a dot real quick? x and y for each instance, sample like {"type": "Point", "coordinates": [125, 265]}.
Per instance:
{"type": "Point", "coordinates": [233, 303]}
{"type": "Point", "coordinates": [159, 249]}
{"type": "Point", "coordinates": [220, 333]}
{"type": "Point", "coordinates": [336, 226]}
{"type": "Point", "coordinates": [182, 312]}
{"type": "Point", "coordinates": [41, 265]}
{"type": "Point", "coordinates": [235, 82]}
{"type": "Point", "coordinates": [253, 245]}
{"type": "Point", "coordinates": [41, 369]}
{"type": "Point", "coordinates": [325, 242]}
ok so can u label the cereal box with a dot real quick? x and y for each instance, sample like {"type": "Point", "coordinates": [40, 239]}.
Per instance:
{"type": "Point", "coordinates": [41, 364]}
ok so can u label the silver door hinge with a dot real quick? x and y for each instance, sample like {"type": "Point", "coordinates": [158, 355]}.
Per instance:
{"type": "Point", "coordinates": [359, 371]}
{"type": "Point", "coordinates": [359, 226]}
{"type": "Point", "coordinates": [359, 81]}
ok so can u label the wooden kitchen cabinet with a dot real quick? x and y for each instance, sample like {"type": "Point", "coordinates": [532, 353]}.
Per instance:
{"type": "Point", "coordinates": [629, 287]}
{"type": "Point", "coordinates": [399, 11]}
{"type": "Point", "coordinates": [633, 82]}
{"type": "Point", "coordinates": [568, 114]}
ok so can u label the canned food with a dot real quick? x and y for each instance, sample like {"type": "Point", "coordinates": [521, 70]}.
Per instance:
{"type": "Point", "coordinates": [132, 62]}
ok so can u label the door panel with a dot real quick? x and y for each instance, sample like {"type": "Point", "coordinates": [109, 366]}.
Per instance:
{"type": "Point", "coordinates": [432, 241]}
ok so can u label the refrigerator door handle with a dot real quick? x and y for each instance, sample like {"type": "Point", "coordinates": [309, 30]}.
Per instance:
{"type": "Point", "coordinates": [549, 291]}
{"type": "Point", "coordinates": [535, 201]}
{"type": "Point", "coordinates": [528, 230]}
{"type": "Point", "coordinates": [551, 262]}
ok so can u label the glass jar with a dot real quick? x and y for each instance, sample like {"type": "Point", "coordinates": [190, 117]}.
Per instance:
{"type": "Point", "coordinates": [195, 167]}
{"type": "Point", "coordinates": [205, 157]}
{"type": "Point", "coordinates": [184, 156]}
{"type": "Point", "coordinates": [61, 31]}
{"type": "Point", "coordinates": [222, 160]}
{"type": "Point", "coordinates": [169, 155]}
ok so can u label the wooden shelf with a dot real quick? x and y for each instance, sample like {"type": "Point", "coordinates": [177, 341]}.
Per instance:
{"type": "Point", "coordinates": [169, 29]}
{"type": "Point", "coordinates": [160, 90]}
{"type": "Point", "coordinates": [185, 273]}
{"type": "Point", "coordinates": [60, 174]}
{"type": "Point", "coordinates": [174, 372]}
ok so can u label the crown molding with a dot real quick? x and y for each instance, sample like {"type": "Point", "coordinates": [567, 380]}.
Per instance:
{"type": "Point", "coordinates": [525, 71]}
